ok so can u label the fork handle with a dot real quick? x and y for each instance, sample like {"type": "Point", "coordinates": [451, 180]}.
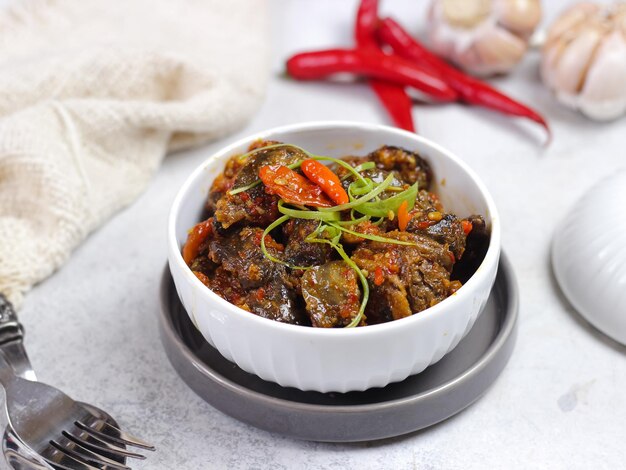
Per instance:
{"type": "Point", "coordinates": [11, 340]}
{"type": "Point", "coordinates": [10, 328]}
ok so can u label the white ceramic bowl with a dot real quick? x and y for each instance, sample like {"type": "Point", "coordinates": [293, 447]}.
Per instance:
{"type": "Point", "coordinates": [338, 360]}
{"type": "Point", "coordinates": [589, 256]}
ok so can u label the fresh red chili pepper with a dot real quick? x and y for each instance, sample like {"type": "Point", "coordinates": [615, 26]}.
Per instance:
{"type": "Point", "coordinates": [424, 224]}
{"type": "Point", "coordinates": [292, 187]}
{"type": "Point", "coordinates": [322, 176]}
{"type": "Point", "coordinates": [370, 63]}
{"type": "Point", "coordinates": [403, 215]}
{"type": "Point", "coordinates": [469, 89]}
{"type": "Point", "coordinates": [379, 276]}
{"type": "Point", "coordinates": [393, 96]}
{"type": "Point", "coordinates": [195, 237]}
{"type": "Point", "coordinates": [467, 226]}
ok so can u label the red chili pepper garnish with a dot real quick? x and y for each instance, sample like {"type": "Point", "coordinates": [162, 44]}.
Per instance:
{"type": "Point", "coordinates": [195, 237]}
{"type": "Point", "coordinates": [467, 226]}
{"type": "Point", "coordinates": [322, 176]}
{"type": "Point", "coordinates": [403, 215]}
{"type": "Point", "coordinates": [370, 63]}
{"type": "Point", "coordinates": [470, 89]}
{"type": "Point", "coordinates": [394, 97]}
{"type": "Point", "coordinates": [424, 224]}
{"type": "Point", "coordinates": [379, 276]}
{"type": "Point", "coordinates": [292, 187]}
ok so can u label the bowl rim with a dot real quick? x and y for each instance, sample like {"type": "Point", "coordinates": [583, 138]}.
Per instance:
{"type": "Point", "coordinates": [175, 255]}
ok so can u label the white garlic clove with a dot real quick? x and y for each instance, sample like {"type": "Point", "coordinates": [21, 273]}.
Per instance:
{"type": "Point", "coordinates": [498, 51]}
{"type": "Point", "coordinates": [584, 59]}
{"type": "Point", "coordinates": [571, 19]}
{"type": "Point", "coordinates": [482, 36]}
{"type": "Point", "coordinates": [466, 13]}
{"type": "Point", "coordinates": [572, 64]}
{"type": "Point", "coordinates": [604, 92]}
{"type": "Point", "coordinates": [519, 16]}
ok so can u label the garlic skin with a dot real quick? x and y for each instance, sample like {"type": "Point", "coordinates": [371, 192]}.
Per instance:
{"type": "Point", "coordinates": [584, 59]}
{"type": "Point", "coordinates": [483, 37]}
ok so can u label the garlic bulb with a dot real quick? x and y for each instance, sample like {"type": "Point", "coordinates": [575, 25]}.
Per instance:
{"type": "Point", "coordinates": [584, 59]}
{"type": "Point", "coordinates": [484, 37]}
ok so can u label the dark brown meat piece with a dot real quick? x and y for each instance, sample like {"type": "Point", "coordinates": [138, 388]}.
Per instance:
{"type": "Point", "coordinates": [404, 279]}
{"type": "Point", "coordinates": [277, 301]}
{"type": "Point", "coordinates": [240, 254]}
{"type": "Point", "coordinates": [298, 252]}
{"type": "Point", "coordinates": [251, 281]}
{"type": "Point", "coordinates": [331, 294]}
{"type": "Point", "coordinates": [427, 219]}
{"type": "Point", "coordinates": [475, 249]}
{"type": "Point", "coordinates": [366, 228]}
{"type": "Point", "coordinates": [408, 166]}
{"type": "Point", "coordinates": [254, 206]}
{"type": "Point", "coordinates": [224, 181]}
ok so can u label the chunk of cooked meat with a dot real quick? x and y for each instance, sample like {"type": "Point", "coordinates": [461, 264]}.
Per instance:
{"type": "Point", "coordinates": [276, 301]}
{"type": "Point", "coordinates": [254, 206]}
{"type": "Point", "coordinates": [331, 294]}
{"type": "Point", "coordinates": [299, 252]}
{"type": "Point", "coordinates": [428, 219]}
{"type": "Point", "coordinates": [251, 281]}
{"type": "Point", "coordinates": [365, 227]}
{"type": "Point", "coordinates": [240, 253]}
{"type": "Point", "coordinates": [476, 247]}
{"type": "Point", "coordinates": [224, 181]}
{"type": "Point", "coordinates": [404, 279]}
{"type": "Point", "coordinates": [408, 166]}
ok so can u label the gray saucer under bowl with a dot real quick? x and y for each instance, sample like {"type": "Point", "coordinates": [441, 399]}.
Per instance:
{"type": "Point", "coordinates": [422, 400]}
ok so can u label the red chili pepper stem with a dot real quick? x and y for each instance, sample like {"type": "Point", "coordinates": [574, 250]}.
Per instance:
{"type": "Point", "coordinates": [469, 89]}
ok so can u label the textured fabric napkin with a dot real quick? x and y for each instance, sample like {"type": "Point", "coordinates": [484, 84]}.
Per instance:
{"type": "Point", "coordinates": [93, 94]}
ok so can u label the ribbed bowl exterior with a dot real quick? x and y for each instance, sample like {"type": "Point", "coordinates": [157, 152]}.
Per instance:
{"type": "Point", "coordinates": [589, 256]}
{"type": "Point", "coordinates": [336, 360]}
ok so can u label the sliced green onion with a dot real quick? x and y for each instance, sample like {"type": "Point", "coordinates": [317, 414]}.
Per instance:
{"type": "Point", "coordinates": [241, 189]}
{"type": "Point", "coordinates": [308, 214]}
{"type": "Point", "coordinates": [358, 202]}
{"type": "Point", "coordinates": [359, 220]}
{"type": "Point", "coordinates": [365, 166]}
{"type": "Point", "coordinates": [383, 207]}
{"type": "Point", "coordinates": [358, 188]}
{"type": "Point", "coordinates": [267, 254]}
{"type": "Point", "coordinates": [375, 238]}
{"type": "Point", "coordinates": [346, 165]}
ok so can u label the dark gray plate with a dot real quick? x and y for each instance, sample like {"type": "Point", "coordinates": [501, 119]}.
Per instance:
{"type": "Point", "coordinates": [439, 392]}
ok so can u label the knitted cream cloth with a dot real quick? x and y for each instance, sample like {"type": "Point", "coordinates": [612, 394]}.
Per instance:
{"type": "Point", "coordinates": [93, 94]}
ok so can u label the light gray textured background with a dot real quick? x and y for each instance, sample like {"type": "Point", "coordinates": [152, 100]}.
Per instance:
{"type": "Point", "coordinates": [560, 403]}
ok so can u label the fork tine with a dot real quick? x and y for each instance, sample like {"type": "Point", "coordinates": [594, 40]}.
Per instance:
{"type": "Point", "coordinates": [86, 455]}
{"type": "Point", "coordinates": [99, 445]}
{"type": "Point", "coordinates": [76, 462]}
{"type": "Point", "coordinates": [109, 432]}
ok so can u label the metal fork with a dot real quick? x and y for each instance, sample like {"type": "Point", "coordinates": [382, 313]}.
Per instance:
{"type": "Point", "coordinates": [46, 425]}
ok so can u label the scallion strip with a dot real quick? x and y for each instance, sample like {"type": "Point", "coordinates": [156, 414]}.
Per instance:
{"type": "Point", "coordinates": [358, 202]}
{"type": "Point", "coordinates": [375, 238]}
{"type": "Point", "coordinates": [383, 207]}
{"type": "Point", "coordinates": [266, 253]}
{"type": "Point", "coordinates": [308, 214]}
